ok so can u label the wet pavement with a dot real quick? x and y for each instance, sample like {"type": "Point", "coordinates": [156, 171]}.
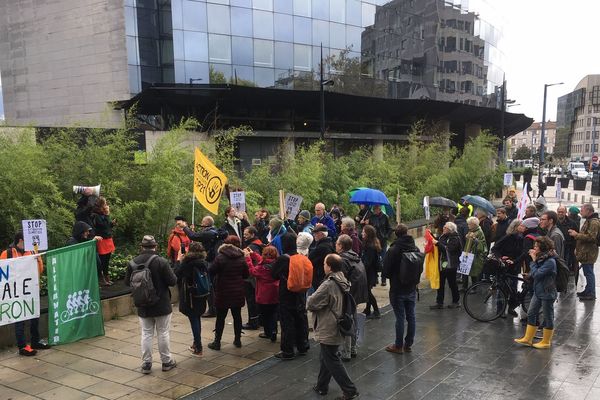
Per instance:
{"type": "Point", "coordinates": [454, 357]}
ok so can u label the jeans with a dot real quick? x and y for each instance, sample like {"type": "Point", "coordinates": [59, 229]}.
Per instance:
{"type": "Point", "coordinates": [294, 329]}
{"type": "Point", "coordinates": [332, 366]}
{"type": "Point", "coordinates": [590, 280]}
{"type": "Point", "coordinates": [236, 313]}
{"type": "Point", "coordinates": [33, 329]}
{"type": "Point", "coordinates": [196, 325]}
{"type": "Point", "coordinates": [268, 313]}
{"type": "Point", "coordinates": [533, 311]}
{"type": "Point", "coordinates": [448, 274]}
{"type": "Point", "coordinates": [161, 325]}
{"type": "Point", "coordinates": [404, 308]}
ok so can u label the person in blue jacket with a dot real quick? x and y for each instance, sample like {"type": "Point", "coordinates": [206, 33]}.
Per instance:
{"type": "Point", "coordinates": [321, 217]}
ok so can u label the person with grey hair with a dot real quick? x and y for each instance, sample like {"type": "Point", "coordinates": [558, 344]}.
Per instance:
{"type": "Point", "coordinates": [475, 243]}
{"type": "Point", "coordinates": [349, 228]}
{"type": "Point", "coordinates": [586, 249]}
{"type": "Point", "coordinates": [450, 248]}
{"type": "Point", "coordinates": [486, 225]}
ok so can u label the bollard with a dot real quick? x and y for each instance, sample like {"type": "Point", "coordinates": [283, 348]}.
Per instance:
{"type": "Point", "coordinates": [582, 199]}
{"type": "Point", "coordinates": [575, 197]}
{"type": "Point", "coordinates": [568, 196]}
{"type": "Point", "coordinates": [562, 195]}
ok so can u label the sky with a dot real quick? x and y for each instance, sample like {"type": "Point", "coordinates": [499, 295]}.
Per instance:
{"type": "Point", "coordinates": [547, 41]}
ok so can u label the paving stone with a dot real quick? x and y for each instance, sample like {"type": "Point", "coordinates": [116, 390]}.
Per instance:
{"type": "Point", "coordinates": [64, 393]}
{"type": "Point", "coordinates": [109, 390]}
{"type": "Point", "coordinates": [151, 384]}
{"type": "Point", "coordinates": [8, 375]}
{"type": "Point", "coordinates": [32, 385]}
{"type": "Point", "coordinates": [77, 380]}
{"type": "Point", "coordinates": [12, 394]}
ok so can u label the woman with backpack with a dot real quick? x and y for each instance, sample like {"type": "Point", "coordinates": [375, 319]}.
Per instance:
{"type": "Point", "coordinates": [370, 258]}
{"type": "Point", "coordinates": [191, 304]}
{"type": "Point", "coordinates": [543, 274]}
{"type": "Point", "coordinates": [267, 288]}
{"type": "Point", "coordinates": [229, 271]}
{"type": "Point", "coordinates": [450, 247]}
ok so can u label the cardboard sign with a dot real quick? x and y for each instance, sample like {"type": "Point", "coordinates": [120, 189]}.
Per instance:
{"type": "Point", "coordinates": [20, 294]}
{"type": "Point", "coordinates": [508, 178]}
{"type": "Point", "coordinates": [292, 205]}
{"type": "Point", "coordinates": [35, 232]}
{"type": "Point", "coordinates": [209, 182]}
{"type": "Point", "coordinates": [466, 262]}
{"type": "Point", "coordinates": [238, 201]}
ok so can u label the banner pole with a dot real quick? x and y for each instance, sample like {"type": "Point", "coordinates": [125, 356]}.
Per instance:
{"type": "Point", "coordinates": [193, 208]}
{"type": "Point", "coordinates": [281, 204]}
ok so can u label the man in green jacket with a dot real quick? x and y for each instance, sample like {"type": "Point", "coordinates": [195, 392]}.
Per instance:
{"type": "Point", "coordinates": [586, 249]}
{"type": "Point", "coordinates": [327, 303]}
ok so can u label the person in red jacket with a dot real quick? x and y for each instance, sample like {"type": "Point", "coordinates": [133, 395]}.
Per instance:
{"type": "Point", "coordinates": [267, 288]}
{"type": "Point", "coordinates": [178, 241]}
{"type": "Point", "coordinates": [17, 249]}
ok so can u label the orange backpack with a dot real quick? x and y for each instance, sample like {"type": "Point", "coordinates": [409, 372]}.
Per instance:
{"type": "Point", "coordinates": [300, 274]}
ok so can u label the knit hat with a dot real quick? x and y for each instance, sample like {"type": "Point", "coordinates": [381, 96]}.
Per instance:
{"type": "Point", "coordinates": [305, 214]}
{"type": "Point", "coordinates": [149, 241]}
{"type": "Point", "coordinates": [321, 228]}
{"type": "Point", "coordinates": [573, 210]}
{"type": "Point", "coordinates": [303, 242]}
{"type": "Point", "coordinates": [531, 223]}
{"type": "Point", "coordinates": [275, 223]}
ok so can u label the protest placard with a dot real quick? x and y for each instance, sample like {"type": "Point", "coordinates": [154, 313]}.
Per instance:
{"type": "Point", "coordinates": [508, 178]}
{"type": "Point", "coordinates": [35, 233]}
{"type": "Point", "coordinates": [238, 201]}
{"type": "Point", "coordinates": [20, 291]}
{"type": "Point", "coordinates": [292, 205]}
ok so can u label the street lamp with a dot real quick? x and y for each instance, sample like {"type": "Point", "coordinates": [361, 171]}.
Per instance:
{"type": "Point", "coordinates": [322, 84]}
{"type": "Point", "coordinates": [541, 168]}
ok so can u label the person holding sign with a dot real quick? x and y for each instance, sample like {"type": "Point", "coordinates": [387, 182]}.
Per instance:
{"type": "Point", "coordinates": [17, 249]}
{"type": "Point", "coordinates": [235, 223]}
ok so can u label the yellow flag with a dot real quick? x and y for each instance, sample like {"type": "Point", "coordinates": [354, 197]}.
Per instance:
{"type": "Point", "coordinates": [209, 182]}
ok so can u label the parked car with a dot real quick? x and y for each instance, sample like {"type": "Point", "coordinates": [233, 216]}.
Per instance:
{"type": "Point", "coordinates": [576, 170]}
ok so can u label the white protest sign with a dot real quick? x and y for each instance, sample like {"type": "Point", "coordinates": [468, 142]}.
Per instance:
{"type": "Point", "coordinates": [238, 201]}
{"type": "Point", "coordinates": [426, 207]}
{"type": "Point", "coordinates": [558, 191]}
{"type": "Point", "coordinates": [34, 232]}
{"type": "Point", "coordinates": [292, 205]}
{"type": "Point", "coordinates": [466, 262]}
{"type": "Point", "coordinates": [20, 290]}
{"type": "Point", "coordinates": [508, 178]}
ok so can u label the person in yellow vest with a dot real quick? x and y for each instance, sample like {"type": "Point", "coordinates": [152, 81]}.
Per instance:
{"type": "Point", "coordinates": [469, 206]}
{"type": "Point", "coordinates": [14, 250]}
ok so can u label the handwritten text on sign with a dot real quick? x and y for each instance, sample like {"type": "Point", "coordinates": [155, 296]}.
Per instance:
{"type": "Point", "coordinates": [35, 232]}
{"type": "Point", "coordinates": [19, 290]}
{"type": "Point", "coordinates": [292, 205]}
{"type": "Point", "coordinates": [238, 201]}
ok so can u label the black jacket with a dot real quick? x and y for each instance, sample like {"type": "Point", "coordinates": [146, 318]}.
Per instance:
{"type": "Point", "coordinates": [191, 306]}
{"type": "Point", "coordinates": [102, 225]}
{"type": "Point", "coordinates": [510, 246]}
{"type": "Point", "coordinates": [512, 213]}
{"type": "Point", "coordinates": [381, 223]}
{"type": "Point", "coordinates": [79, 228]}
{"type": "Point", "coordinates": [85, 204]}
{"type": "Point", "coordinates": [486, 227]}
{"type": "Point", "coordinates": [162, 277]}
{"type": "Point", "coordinates": [354, 271]}
{"type": "Point", "coordinates": [241, 225]}
{"type": "Point", "coordinates": [450, 248]}
{"type": "Point", "coordinates": [317, 255]}
{"type": "Point", "coordinates": [208, 238]}
{"type": "Point", "coordinates": [370, 259]}
{"type": "Point", "coordinates": [462, 227]}
{"type": "Point", "coordinates": [392, 260]}
{"type": "Point", "coordinates": [281, 269]}
{"type": "Point", "coordinates": [501, 227]}
{"type": "Point", "coordinates": [564, 227]}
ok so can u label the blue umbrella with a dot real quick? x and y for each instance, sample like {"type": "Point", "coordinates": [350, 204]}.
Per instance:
{"type": "Point", "coordinates": [478, 201]}
{"type": "Point", "coordinates": [372, 197]}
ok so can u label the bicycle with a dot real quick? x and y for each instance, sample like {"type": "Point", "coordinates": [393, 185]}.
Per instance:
{"type": "Point", "coordinates": [488, 299]}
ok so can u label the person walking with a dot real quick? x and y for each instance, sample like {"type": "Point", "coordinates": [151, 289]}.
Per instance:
{"type": "Point", "coordinates": [14, 250]}
{"type": "Point", "coordinates": [188, 265]}
{"type": "Point", "coordinates": [543, 274]}
{"type": "Point", "coordinates": [327, 303]}
{"type": "Point", "coordinates": [156, 316]}
{"type": "Point", "coordinates": [586, 249]}
{"type": "Point", "coordinates": [229, 271]}
{"type": "Point", "coordinates": [372, 263]}
{"type": "Point", "coordinates": [103, 225]}
{"type": "Point", "coordinates": [403, 296]}
{"type": "Point", "coordinates": [267, 288]}
{"type": "Point", "coordinates": [450, 247]}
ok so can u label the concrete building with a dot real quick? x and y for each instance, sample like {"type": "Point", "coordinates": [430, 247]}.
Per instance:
{"type": "Point", "coordinates": [578, 117]}
{"type": "Point", "coordinates": [531, 138]}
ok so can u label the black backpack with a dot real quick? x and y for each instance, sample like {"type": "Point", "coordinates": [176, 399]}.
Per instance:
{"type": "Point", "coordinates": [345, 321]}
{"type": "Point", "coordinates": [411, 268]}
{"type": "Point", "coordinates": [143, 291]}
{"type": "Point", "coordinates": [213, 247]}
{"type": "Point", "coordinates": [562, 275]}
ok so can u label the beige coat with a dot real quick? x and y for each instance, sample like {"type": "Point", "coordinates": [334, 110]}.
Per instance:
{"type": "Point", "coordinates": [323, 303]}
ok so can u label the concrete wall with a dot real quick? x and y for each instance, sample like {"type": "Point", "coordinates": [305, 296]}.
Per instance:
{"type": "Point", "coordinates": [62, 61]}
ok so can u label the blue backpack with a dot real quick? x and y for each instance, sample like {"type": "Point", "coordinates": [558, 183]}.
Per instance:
{"type": "Point", "coordinates": [200, 284]}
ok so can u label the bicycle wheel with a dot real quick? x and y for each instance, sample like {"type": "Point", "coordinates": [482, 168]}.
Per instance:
{"type": "Point", "coordinates": [485, 301]}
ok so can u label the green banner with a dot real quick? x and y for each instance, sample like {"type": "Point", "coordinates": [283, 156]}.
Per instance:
{"type": "Point", "coordinates": [74, 309]}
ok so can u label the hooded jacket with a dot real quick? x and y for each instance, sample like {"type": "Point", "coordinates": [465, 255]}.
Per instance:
{"type": "Point", "coordinates": [79, 228]}
{"type": "Point", "coordinates": [228, 272]}
{"type": "Point", "coordinates": [326, 305]}
{"type": "Point", "coordinates": [558, 239]}
{"type": "Point", "coordinates": [280, 271]}
{"type": "Point", "coordinates": [586, 248]}
{"type": "Point", "coordinates": [392, 260]}
{"type": "Point", "coordinates": [176, 239]}
{"type": "Point", "coordinates": [543, 273]}
{"type": "Point", "coordinates": [323, 248]}
{"type": "Point", "coordinates": [267, 287]}
{"type": "Point", "coordinates": [193, 306]}
{"type": "Point", "coordinates": [354, 271]}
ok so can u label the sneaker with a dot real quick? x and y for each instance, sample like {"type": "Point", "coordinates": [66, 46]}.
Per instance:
{"type": "Point", "coordinates": [348, 396]}
{"type": "Point", "coordinates": [392, 348]}
{"type": "Point", "coordinates": [214, 345]}
{"type": "Point", "coordinates": [285, 356]}
{"type": "Point", "coordinates": [320, 392]}
{"type": "Point", "coordinates": [27, 351]}
{"type": "Point", "coordinates": [436, 307]}
{"type": "Point", "coordinates": [146, 368]}
{"type": "Point", "coordinates": [587, 297]}
{"type": "Point", "coordinates": [454, 305]}
{"type": "Point", "coordinates": [169, 366]}
{"type": "Point", "coordinates": [40, 346]}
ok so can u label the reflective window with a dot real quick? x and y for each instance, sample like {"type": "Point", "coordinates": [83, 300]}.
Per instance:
{"type": "Point", "coordinates": [263, 24]}
{"type": "Point", "coordinates": [316, 59]}
{"type": "Point", "coordinates": [284, 55]}
{"type": "Point", "coordinates": [178, 52]}
{"type": "Point", "coordinates": [220, 73]}
{"type": "Point", "coordinates": [264, 77]}
{"type": "Point", "coordinates": [179, 71]}
{"type": "Point", "coordinates": [134, 78]}
{"type": "Point", "coordinates": [302, 30]}
{"type": "Point", "coordinates": [263, 4]}
{"type": "Point", "coordinates": [284, 6]}
{"type": "Point", "coordinates": [218, 1]}
{"type": "Point", "coordinates": [263, 53]}
{"type": "Point", "coordinates": [218, 19]}
{"type": "Point", "coordinates": [177, 14]}
{"type": "Point", "coordinates": [242, 3]}
{"type": "Point", "coordinates": [132, 50]}
{"type": "Point", "coordinates": [302, 56]}
{"type": "Point", "coordinates": [337, 11]}
{"type": "Point", "coordinates": [353, 12]}
{"type": "Point", "coordinates": [283, 31]}
{"type": "Point", "coordinates": [337, 36]}
{"type": "Point", "coordinates": [281, 76]}
{"type": "Point", "coordinates": [353, 37]}
{"type": "Point", "coordinates": [302, 7]}
{"type": "Point", "coordinates": [195, 46]}
{"type": "Point", "coordinates": [320, 9]}
{"type": "Point", "coordinates": [243, 74]}
{"type": "Point", "coordinates": [368, 14]}
{"type": "Point", "coordinates": [194, 16]}
{"type": "Point", "coordinates": [196, 70]}
{"type": "Point", "coordinates": [241, 21]}
{"type": "Point", "coordinates": [242, 50]}
{"type": "Point", "coordinates": [219, 48]}
{"type": "Point", "coordinates": [320, 33]}
{"type": "Point", "coordinates": [130, 21]}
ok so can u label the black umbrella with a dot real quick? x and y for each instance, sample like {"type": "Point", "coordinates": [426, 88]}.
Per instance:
{"type": "Point", "coordinates": [442, 202]}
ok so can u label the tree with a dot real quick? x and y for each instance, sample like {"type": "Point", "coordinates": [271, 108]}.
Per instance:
{"type": "Point", "coordinates": [522, 153]}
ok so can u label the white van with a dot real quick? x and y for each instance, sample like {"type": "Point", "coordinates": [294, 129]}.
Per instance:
{"type": "Point", "coordinates": [576, 170]}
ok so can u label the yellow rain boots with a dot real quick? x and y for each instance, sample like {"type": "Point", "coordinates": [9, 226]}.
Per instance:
{"type": "Point", "coordinates": [546, 339]}
{"type": "Point", "coordinates": [527, 340]}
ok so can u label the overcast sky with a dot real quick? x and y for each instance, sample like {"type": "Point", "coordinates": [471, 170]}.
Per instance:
{"type": "Point", "coordinates": [548, 41]}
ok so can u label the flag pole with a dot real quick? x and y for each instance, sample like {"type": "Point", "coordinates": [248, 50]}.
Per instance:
{"type": "Point", "coordinates": [193, 208]}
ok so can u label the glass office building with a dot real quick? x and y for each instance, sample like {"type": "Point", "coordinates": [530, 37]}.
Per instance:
{"type": "Point", "coordinates": [401, 48]}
